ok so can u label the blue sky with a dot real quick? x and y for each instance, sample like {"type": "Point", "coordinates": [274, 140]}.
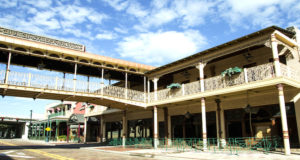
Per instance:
{"type": "Point", "coordinates": [151, 32]}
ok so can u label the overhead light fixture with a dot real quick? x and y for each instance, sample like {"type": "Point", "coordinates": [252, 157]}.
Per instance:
{"type": "Point", "coordinates": [41, 65]}
{"type": "Point", "coordinates": [187, 115]}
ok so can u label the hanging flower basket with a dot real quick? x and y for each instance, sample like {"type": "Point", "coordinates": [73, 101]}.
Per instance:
{"type": "Point", "coordinates": [174, 86]}
{"type": "Point", "coordinates": [231, 71]}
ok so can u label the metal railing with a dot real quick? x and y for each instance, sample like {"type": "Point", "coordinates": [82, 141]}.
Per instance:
{"type": "Point", "coordinates": [228, 145]}
{"type": "Point", "coordinates": [248, 75]}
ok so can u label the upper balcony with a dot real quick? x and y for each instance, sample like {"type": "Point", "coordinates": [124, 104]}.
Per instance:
{"type": "Point", "coordinates": [249, 78]}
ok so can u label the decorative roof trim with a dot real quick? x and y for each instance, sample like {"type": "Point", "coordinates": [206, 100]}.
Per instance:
{"type": "Point", "coordinates": [41, 39]}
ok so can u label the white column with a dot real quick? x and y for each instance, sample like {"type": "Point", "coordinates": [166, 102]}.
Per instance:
{"type": "Point", "coordinates": [203, 109]}
{"type": "Point", "coordinates": [85, 129]}
{"type": "Point", "coordinates": [74, 80]}
{"type": "Point", "coordinates": [204, 132]}
{"type": "Point", "coordinates": [155, 127]}
{"type": "Point", "coordinates": [126, 85]}
{"type": "Point", "coordinates": [124, 128]}
{"type": "Point", "coordinates": [148, 86]}
{"type": "Point", "coordinates": [201, 75]}
{"type": "Point", "coordinates": [284, 124]}
{"type": "Point", "coordinates": [155, 80]}
{"type": "Point", "coordinates": [7, 68]}
{"type": "Point", "coordinates": [276, 62]}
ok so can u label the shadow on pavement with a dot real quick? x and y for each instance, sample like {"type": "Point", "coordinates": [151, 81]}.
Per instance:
{"type": "Point", "coordinates": [64, 146]}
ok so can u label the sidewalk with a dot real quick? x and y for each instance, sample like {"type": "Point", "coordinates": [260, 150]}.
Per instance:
{"type": "Point", "coordinates": [208, 155]}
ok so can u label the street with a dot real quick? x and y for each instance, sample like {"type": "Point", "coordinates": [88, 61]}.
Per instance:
{"type": "Point", "coordinates": [21, 150]}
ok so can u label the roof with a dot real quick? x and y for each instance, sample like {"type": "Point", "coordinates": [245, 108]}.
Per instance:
{"type": "Point", "coordinates": [222, 46]}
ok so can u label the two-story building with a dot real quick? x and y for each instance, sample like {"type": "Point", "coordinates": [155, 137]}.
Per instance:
{"type": "Point", "coordinates": [248, 87]}
{"type": "Point", "coordinates": [65, 122]}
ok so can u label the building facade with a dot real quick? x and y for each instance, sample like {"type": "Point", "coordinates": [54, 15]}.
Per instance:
{"type": "Point", "coordinates": [248, 87]}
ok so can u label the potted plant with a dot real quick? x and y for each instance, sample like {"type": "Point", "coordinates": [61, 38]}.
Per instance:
{"type": "Point", "coordinates": [231, 71]}
{"type": "Point", "coordinates": [174, 86]}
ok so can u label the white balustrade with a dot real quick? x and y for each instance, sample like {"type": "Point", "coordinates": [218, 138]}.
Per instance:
{"type": "Point", "coordinates": [289, 72]}
{"type": "Point", "coordinates": [18, 78]}
{"type": "Point", "coordinates": [114, 91]}
{"type": "Point", "coordinates": [135, 95]}
{"type": "Point", "coordinates": [260, 72]}
{"type": "Point", "coordinates": [256, 73]}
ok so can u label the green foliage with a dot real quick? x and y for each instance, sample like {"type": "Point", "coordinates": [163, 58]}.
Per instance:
{"type": "Point", "coordinates": [62, 137]}
{"type": "Point", "coordinates": [231, 71]}
{"type": "Point", "coordinates": [174, 85]}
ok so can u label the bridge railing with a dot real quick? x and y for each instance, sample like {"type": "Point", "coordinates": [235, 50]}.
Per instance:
{"type": "Point", "coordinates": [63, 84]}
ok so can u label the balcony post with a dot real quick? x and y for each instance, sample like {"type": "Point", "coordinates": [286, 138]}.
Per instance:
{"type": "Point", "coordinates": [74, 80]}
{"type": "Point", "coordinates": [276, 62]}
{"type": "Point", "coordinates": [155, 80]}
{"type": "Point", "coordinates": [148, 88]}
{"type": "Point", "coordinates": [102, 81]}
{"type": "Point", "coordinates": [7, 68]}
{"type": "Point", "coordinates": [124, 129]}
{"type": "Point", "coordinates": [284, 124]}
{"type": "Point", "coordinates": [155, 138]}
{"type": "Point", "coordinates": [246, 75]}
{"type": "Point", "coordinates": [126, 85]}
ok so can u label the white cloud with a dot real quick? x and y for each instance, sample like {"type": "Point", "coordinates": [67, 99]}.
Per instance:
{"type": "Point", "coordinates": [161, 47]}
{"type": "Point", "coordinates": [8, 3]}
{"type": "Point", "coordinates": [121, 30]}
{"type": "Point", "coordinates": [255, 12]}
{"type": "Point", "coordinates": [46, 19]}
{"type": "Point", "coordinates": [106, 36]}
{"type": "Point", "coordinates": [137, 10]}
{"type": "Point", "coordinates": [117, 4]}
{"type": "Point", "coordinates": [39, 3]}
{"type": "Point", "coordinates": [193, 12]}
